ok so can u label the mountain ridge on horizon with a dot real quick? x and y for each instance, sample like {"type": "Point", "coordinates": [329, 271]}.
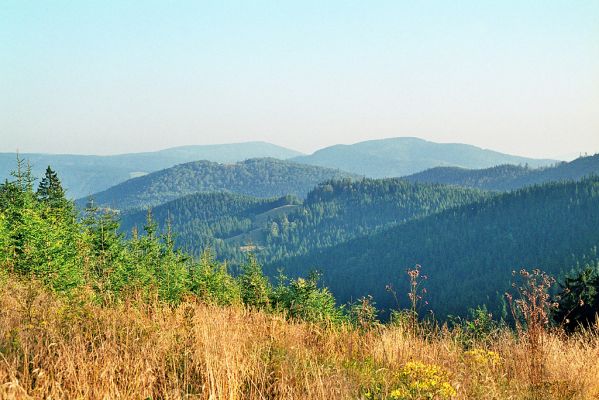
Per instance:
{"type": "Point", "coordinates": [508, 177]}
{"type": "Point", "coordinates": [160, 150]}
{"type": "Point", "coordinates": [83, 175]}
{"type": "Point", "coordinates": [401, 156]}
{"type": "Point", "coordinates": [388, 157]}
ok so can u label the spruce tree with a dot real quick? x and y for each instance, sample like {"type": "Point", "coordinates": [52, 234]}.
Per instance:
{"type": "Point", "coordinates": [50, 189]}
{"type": "Point", "coordinates": [255, 287]}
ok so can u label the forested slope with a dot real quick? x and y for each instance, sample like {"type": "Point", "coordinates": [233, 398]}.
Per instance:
{"type": "Point", "coordinates": [261, 177]}
{"type": "Point", "coordinates": [337, 211]}
{"type": "Point", "coordinates": [508, 177]}
{"type": "Point", "coordinates": [206, 220]}
{"type": "Point", "coordinates": [333, 212]}
{"type": "Point", "coordinates": [468, 252]}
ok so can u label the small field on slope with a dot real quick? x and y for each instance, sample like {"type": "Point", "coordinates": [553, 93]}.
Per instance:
{"type": "Point", "coordinates": [56, 348]}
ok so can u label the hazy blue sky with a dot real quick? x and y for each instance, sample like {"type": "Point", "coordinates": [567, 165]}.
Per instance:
{"type": "Point", "coordinates": [118, 76]}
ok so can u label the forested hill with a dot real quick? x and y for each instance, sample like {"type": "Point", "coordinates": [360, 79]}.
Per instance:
{"type": "Point", "coordinates": [85, 174]}
{"type": "Point", "coordinates": [508, 177]}
{"type": "Point", "coordinates": [337, 211]}
{"type": "Point", "coordinates": [206, 220]}
{"type": "Point", "coordinates": [468, 252]}
{"type": "Point", "coordinates": [402, 156]}
{"type": "Point", "coordinates": [334, 212]}
{"type": "Point", "coordinates": [260, 177]}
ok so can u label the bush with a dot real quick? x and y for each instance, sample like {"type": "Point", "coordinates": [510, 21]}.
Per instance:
{"type": "Point", "coordinates": [478, 328]}
{"type": "Point", "coordinates": [211, 282]}
{"type": "Point", "coordinates": [254, 285]}
{"type": "Point", "coordinates": [363, 313]}
{"type": "Point", "coordinates": [578, 301]}
{"type": "Point", "coordinates": [303, 299]}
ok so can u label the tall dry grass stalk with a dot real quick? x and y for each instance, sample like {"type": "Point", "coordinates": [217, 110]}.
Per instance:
{"type": "Point", "coordinates": [54, 348]}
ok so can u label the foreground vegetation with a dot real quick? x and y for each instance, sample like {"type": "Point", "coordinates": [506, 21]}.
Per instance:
{"type": "Point", "coordinates": [54, 347]}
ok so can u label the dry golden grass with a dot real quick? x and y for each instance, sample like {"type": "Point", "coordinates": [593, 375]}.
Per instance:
{"type": "Point", "coordinates": [53, 348]}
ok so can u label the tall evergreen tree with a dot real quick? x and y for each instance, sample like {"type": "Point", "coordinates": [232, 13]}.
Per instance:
{"type": "Point", "coordinates": [50, 189]}
{"type": "Point", "coordinates": [255, 287]}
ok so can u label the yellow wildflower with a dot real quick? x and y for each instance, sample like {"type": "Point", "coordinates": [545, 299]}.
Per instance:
{"type": "Point", "coordinates": [482, 357]}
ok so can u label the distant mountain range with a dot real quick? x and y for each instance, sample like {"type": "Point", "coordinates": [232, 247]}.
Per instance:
{"type": "Point", "coordinates": [509, 177]}
{"type": "Point", "coordinates": [407, 155]}
{"type": "Point", "coordinates": [86, 174]}
{"type": "Point", "coordinates": [259, 177]}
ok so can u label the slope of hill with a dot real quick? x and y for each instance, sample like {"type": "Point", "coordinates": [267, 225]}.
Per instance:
{"type": "Point", "coordinates": [406, 155]}
{"type": "Point", "coordinates": [508, 177]}
{"type": "Point", "coordinates": [260, 177]}
{"type": "Point", "coordinates": [467, 252]}
{"type": "Point", "coordinates": [337, 211]}
{"type": "Point", "coordinates": [86, 174]}
{"type": "Point", "coordinates": [332, 213]}
{"type": "Point", "coordinates": [203, 220]}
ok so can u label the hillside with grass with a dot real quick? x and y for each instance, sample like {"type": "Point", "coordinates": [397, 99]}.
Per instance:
{"type": "Point", "coordinates": [53, 347]}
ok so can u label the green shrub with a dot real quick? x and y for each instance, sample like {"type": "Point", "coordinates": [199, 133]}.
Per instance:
{"type": "Point", "coordinates": [303, 299]}
{"type": "Point", "coordinates": [211, 283]}
{"type": "Point", "coordinates": [578, 301]}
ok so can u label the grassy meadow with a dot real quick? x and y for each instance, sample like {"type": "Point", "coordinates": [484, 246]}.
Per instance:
{"type": "Point", "coordinates": [53, 347]}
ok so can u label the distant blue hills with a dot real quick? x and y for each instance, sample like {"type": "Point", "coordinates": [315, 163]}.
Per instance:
{"type": "Point", "coordinates": [83, 175]}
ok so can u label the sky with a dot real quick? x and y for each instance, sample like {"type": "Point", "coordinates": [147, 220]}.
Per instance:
{"type": "Point", "coordinates": [107, 77]}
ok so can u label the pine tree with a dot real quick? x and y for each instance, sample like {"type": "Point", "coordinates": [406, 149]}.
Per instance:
{"type": "Point", "coordinates": [255, 287]}
{"type": "Point", "coordinates": [50, 190]}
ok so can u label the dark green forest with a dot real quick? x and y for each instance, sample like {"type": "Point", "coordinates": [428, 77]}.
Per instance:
{"type": "Point", "coordinates": [332, 213]}
{"type": "Point", "coordinates": [337, 211]}
{"type": "Point", "coordinates": [467, 252]}
{"type": "Point", "coordinates": [209, 220]}
{"type": "Point", "coordinates": [509, 177]}
{"type": "Point", "coordinates": [261, 177]}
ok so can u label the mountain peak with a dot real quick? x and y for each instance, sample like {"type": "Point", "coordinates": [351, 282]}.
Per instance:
{"type": "Point", "coordinates": [401, 156]}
